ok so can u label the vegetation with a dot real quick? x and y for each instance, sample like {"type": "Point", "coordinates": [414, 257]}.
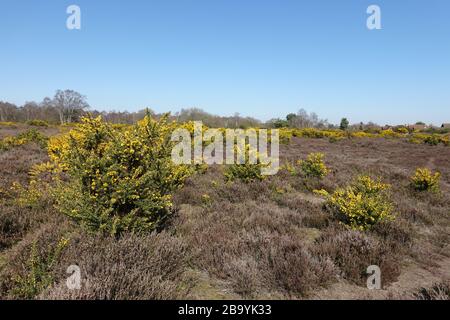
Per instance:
{"type": "Point", "coordinates": [344, 124]}
{"type": "Point", "coordinates": [425, 180]}
{"type": "Point", "coordinates": [245, 171]}
{"type": "Point", "coordinates": [362, 204]}
{"type": "Point", "coordinates": [38, 276]}
{"type": "Point", "coordinates": [314, 166]}
{"type": "Point", "coordinates": [121, 180]}
{"type": "Point", "coordinates": [37, 123]}
{"type": "Point", "coordinates": [28, 136]}
{"type": "Point", "coordinates": [196, 236]}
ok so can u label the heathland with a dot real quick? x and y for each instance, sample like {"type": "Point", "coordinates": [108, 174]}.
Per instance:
{"type": "Point", "coordinates": [106, 199]}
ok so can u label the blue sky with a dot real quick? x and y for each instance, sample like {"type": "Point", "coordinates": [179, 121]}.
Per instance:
{"type": "Point", "coordinates": [259, 58]}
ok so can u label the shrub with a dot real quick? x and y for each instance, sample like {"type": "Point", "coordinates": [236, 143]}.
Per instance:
{"type": "Point", "coordinates": [425, 180]}
{"type": "Point", "coordinates": [334, 139]}
{"type": "Point", "coordinates": [438, 291]}
{"type": "Point", "coordinates": [285, 136]}
{"type": "Point", "coordinates": [432, 140]}
{"type": "Point", "coordinates": [14, 223]}
{"type": "Point", "coordinates": [445, 140]}
{"type": "Point", "coordinates": [119, 180]}
{"type": "Point", "coordinates": [206, 199]}
{"type": "Point", "coordinates": [35, 136]}
{"type": "Point", "coordinates": [147, 266]}
{"type": "Point", "coordinates": [402, 130]}
{"type": "Point", "coordinates": [39, 276]}
{"type": "Point", "coordinates": [28, 196]}
{"type": "Point", "coordinates": [31, 135]}
{"type": "Point", "coordinates": [361, 134]}
{"type": "Point", "coordinates": [37, 123]}
{"type": "Point", "coordinates": [314, 166]}
{"type": "Point", "coordinates": [362, 204]}
{"type": "Point", "coordinates": [246, 172]}
{"type": "Point", "coordinates": [294, 269]}
{"type": "Point", "coordinates": [309, 133]}
{"type": "Point", "coordinates": [8, 124]}
{"type": "Point", "coordinates": [353, 251]}
{"type": "Point", "coordinates": [290, 168]}
{"type": "Point", "coordinates": [389, 133]}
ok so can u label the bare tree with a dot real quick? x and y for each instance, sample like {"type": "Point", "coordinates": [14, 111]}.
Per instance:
{"type": "Point", "coordinates": [7, 111]}
{"type": "Point", "coordinates": [304, 120]}
{"type": "Point", "coordinates": [30, 110]}
{"type": "Point", "coordinates": [69, 104]}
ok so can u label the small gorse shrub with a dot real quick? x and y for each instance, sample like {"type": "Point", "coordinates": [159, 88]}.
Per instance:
{"type": "Point", "coordinates": [432, 140]}
{"type": "Point", "coordinates": [37, 123]}
{"type": "Point", "coordinates": [247, 171]}
{"type": "Point", "coordinates": [425, 180]}
{"type": "Point", "coordinates": [314, 166]}
{"type": "Point", "coordinates": [31, 135]}
{"type": "Point", "coordinates": [38, 276]}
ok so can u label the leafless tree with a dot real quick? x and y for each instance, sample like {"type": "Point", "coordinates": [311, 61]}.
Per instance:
{"type": "Point", "coordinates": [304, 120]}
{"type": "Point", "coordinates": [7, 111]}
{"type": "Point", "coordinates": [69, 104]}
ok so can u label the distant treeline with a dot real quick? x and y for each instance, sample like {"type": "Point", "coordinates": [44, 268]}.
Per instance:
{"type": "Point", "coordinates": [69, 106]}
{"type": "Point", "coordinates": [52, 114]}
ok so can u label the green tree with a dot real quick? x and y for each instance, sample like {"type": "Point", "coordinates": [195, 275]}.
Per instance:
{"type": "Point", "coordinates": [291, 116]}
{"type": "Point", "coordinates": [344, 124]}
{"type": "Point", "coordinates": [279, 123]}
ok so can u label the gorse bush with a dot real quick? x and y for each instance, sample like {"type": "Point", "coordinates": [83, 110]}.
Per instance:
{"type": "Point", "coordinates": [31, 135]}
{"type": "Point", "coordinates": [247, 171]}
{"type": "Point", "coordinates": [37, 123]}
{"type": "Point", "coordinates": [119, 179]}
{"type": "Point", "coordinates": [314, 166]}
{"type": "Point", "coordinates": [285, 136]}
{"type": "Point", "coordinates": [429, 139]}
{"type": "Point", "coordinates": [402, 130]}
{"type": "Point", "coordinates": [425, 180]}
{"type": "Point", "coordinates": [244, 172]}
{"type": "Point", "coordinates": [432, 140]}
{"type": "Point", "coordinates": [8, 124]}
{"type": "Point", "coordinates": [28, 196]}
{"type": "Point", "coordinates": [362, 204]}
{"type": "Point", "coordinates": [39, 268]}
{"type": "Point", "coordinates": [389, 133]}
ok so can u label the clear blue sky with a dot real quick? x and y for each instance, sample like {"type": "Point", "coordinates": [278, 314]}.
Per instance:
{"type": "Point", "coordinates": [259, 58]}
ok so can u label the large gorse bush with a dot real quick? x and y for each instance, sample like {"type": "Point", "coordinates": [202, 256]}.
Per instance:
{"type": "Point", "coordinates": [119, 178]}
